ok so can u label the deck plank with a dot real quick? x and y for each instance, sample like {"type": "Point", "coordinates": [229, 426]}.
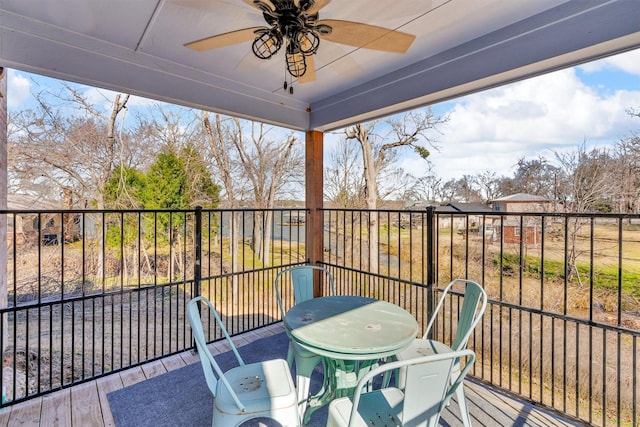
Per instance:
{"type": "Point", "coordinates": [26, 414]}
{"type": "Point", "coordinates": [173, 362]}
{"type": "Point", "coordinates": [5, 414]}
{"type": "Point", "coordinates": [105, 386]}
{"type": "Point", "coordinates": [154, 369]}
{"type": "Point", "coordinates": [86, 406]}
{"type": "Point", "coordinates": [190, 357]}
{"type": "Point", "coordinates": [57, 406]}
{"type": "Point", "coordinates": [132, 376]}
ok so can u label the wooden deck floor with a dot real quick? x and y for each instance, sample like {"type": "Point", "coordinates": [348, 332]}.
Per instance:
{"type": "Point", "coordinates": [87, 404]}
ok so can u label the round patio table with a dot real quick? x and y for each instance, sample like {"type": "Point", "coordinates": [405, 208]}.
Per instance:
{"type": "Point", "coordinates": [351, 333]}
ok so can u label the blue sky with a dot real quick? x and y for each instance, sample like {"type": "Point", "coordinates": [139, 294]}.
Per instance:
{"type": "Point", "coordinates": [490, 130]}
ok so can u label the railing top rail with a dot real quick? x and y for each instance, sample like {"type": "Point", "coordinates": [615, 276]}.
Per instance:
{"type": "Point", "coordinates": [489, 214]}
{"type": "Point", "coordinates": [99, 211]}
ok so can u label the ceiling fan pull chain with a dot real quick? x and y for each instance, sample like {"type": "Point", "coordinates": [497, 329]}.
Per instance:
{"type": "Point", "coordinates": [290, 84]}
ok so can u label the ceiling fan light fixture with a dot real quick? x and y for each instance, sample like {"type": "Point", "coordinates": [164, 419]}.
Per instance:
{"type": "Point", "coordinates": [266, 45]}
{"type": "Point", "coordinates": [307, 41]}
{"type": "Point", "coordinates": [296, 64]}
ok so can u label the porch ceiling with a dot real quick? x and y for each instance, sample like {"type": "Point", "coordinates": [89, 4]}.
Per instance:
{"type": "Point", "coordinates": [461, 46]}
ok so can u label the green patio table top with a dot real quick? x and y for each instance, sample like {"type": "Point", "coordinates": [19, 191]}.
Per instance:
{"type": "Point", "coordinates": [352, 334]}
{"type": "Point", "coordinates": [351, 327]}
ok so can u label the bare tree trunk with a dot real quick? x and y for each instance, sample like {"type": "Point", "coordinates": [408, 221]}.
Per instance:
{"type": "Point", "coordinates": [256, 237]}
{"type": "Point", "coordinates": [234, 249]}
{"type": "Point", "coordinates": [266, 256]}
{"type": "Point", "coordinates": [216, 136]}
{"type": "Point", "coordinates": [362, 134]}
{"type": "Point", "coordinates": [125, 271]}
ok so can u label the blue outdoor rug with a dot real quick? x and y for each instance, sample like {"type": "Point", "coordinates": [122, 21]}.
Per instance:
{"type": "Point", "coordinates": [181, 397]}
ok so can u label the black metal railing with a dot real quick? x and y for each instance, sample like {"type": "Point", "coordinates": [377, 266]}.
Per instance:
{"type": "Point", "coordinates": [94, 292]}
{"type": "Point", "coordinates": [562, 325]}
{"type": "Point", "coordinates": [90, 293]}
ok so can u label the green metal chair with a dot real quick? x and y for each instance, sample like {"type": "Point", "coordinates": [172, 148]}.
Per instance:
{"type": "Point", "coordinates": [429, 384]}
{"type": "Point", "coordinates": [248, 391]}
{"type": "Point", "coordinates": [301, 279]}
{"type": "Point", "coordinates": [473, 307]}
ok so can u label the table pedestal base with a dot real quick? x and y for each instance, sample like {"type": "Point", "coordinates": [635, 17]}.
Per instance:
{"type": "Point", "coordinates": [346, 374]}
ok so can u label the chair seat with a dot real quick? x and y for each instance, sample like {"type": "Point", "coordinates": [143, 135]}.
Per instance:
{"type": "Point", "coordinates": [427, 389]}
{"type": "Point", "coordinates": [423, 347]}
{"type": "Point", "coordinates": [260, 386]}
{"type": "Point", "coordinates": [378, 408]}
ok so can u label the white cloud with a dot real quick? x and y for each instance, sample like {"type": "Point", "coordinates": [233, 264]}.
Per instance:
{"type": "Point", "coordinates": [491, 130]}
{"type": "Point", "coordinates": [18, 88]}
{"type": "Point", "coordinates": [629, 62]}
{"type": "Point", "coordinates": [556, 112]}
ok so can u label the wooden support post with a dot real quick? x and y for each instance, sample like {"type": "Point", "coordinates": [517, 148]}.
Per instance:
{"type": "Point", "coordinates": [314, 201]}
{"type": "Point", "coordinates": [3, 198]}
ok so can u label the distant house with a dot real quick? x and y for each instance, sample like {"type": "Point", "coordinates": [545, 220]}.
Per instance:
{"type": "Point", "coordinates": [26, 226]}
{"type": "Point", "coordinates": [528, 231]}
{"type": "Point", "coordinates": [522, 202]}
{"type": "Point", "coordinates": [462, 215]}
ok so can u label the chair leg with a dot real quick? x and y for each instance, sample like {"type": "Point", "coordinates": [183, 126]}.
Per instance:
{"type": "Point", "coordinates": [290, 355]}
{"type": "Point", "coordinates": [302, 386]}
{"type": "Point", "coordinates": [305, 364]}
{"type": "Point", "coordinates": [462, 404]}
{"type": "Point", "coordinates": [386, 377]}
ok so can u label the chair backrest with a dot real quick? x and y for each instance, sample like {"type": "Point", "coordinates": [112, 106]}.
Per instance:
{"type": "Point", "coordinates": [428, 385]}
{"type": "Point", "coordinates": [212, 371]}
{"type": "Point", "coordinates": [302, 283]}
{"type": "Point", "coordinates": [473, 306]}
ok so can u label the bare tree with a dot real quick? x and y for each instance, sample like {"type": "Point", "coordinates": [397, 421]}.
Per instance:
{"type": "Point", "coordinates": [51, 151]}
{"type": "Point", "coordinates": [627, 171]}
{"type": "Point", "coordinates": [378, 152]}
{"type": "Point", "coordinates": [255, 166]}
{"type": "Point", "coordinates": [627, 175]}
{"type": "Point", "coordinates": [537, 176]}
{"type": "Point", "coordinates": [429, 186]}
{"type": "Point", "coordinates": [448, 191]}
{"type": "Point", "coordinates": [590, 184]}
{"type": "Point", "coordinates": [467, 189]}
{"type": "Point", "coordinates": [344, 183]}
{"type": "Point", "coordinates": [220, 149]}
{"type": "Point", "coordinates": [269, 165]}
{"type": "Point", "coordinates": [488, 185]}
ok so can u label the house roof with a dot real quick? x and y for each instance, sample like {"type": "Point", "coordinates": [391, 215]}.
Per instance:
{"type": "Point", "coordinates": [522, 198]}
{"type": "Point", "coordinates": [460, 47]}
{"type": "Point", "coordinates": [455, 207]}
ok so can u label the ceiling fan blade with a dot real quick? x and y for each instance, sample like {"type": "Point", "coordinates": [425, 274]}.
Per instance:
{"type": "Point", "coordinates": [225, 39]}
{"type": "Point", "coordinates": [341, 62]}
{"type": "Point", "coordinates": [261, 4]}
{"type": "Point", "coordinates": [310, 74]}
{"type": "Point", "coordinates": [367, 36]}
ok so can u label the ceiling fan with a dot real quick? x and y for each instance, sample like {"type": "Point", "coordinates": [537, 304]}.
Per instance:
{"type": "Point", "coordinates": [294, 25]}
